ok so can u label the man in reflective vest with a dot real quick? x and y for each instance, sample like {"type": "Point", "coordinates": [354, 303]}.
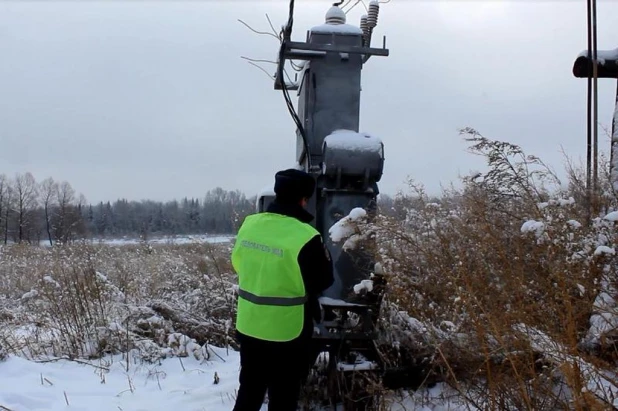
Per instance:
{"type": "Point", "coordinates": [282, 266]}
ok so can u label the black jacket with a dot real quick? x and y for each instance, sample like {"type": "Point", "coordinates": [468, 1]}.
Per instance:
{"type": "Point", "coordinates": [315, 265]}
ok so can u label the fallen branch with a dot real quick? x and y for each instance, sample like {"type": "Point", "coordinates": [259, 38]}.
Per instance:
{"type": "Point", "coordinates": [56, 359]}
{"type": "Point", "coordinates": [189, 325]}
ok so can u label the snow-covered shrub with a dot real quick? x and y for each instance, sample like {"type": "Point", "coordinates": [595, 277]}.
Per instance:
{"type": "Point", "coordinates": [82, 301]}
{"type": "Point", "coordinates": [512, 247]}
{"type": "Point", "coordinates": [348, 228]}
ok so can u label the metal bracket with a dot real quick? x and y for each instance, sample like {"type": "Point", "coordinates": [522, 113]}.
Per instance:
{"type": "Point", "coordinates": [294, 50]}
{"type": "Point", "coordinates": [582, 68]}
{"type": "Point", "coordinates": [324, 48]}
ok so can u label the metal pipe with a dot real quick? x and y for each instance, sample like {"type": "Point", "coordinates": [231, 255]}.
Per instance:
{"type": "Point", "coordinates": [595, 116]}
{"type": "Point", "coordinates": [589, 115]}
{"type": "Point", "coordinates": [613, 173]}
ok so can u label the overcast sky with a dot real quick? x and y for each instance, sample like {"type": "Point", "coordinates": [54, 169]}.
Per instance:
{"type": "Point", "coordinates": [147, 99]}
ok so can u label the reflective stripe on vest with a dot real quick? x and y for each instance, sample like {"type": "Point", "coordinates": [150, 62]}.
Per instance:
{"type": "Point", "coordinates": [271, 289]}
{"type": "Point", "coordinates": [279, 301]}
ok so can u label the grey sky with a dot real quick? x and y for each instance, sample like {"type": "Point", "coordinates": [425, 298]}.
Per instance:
{"type": "Point", "coordinates": [149, 99]}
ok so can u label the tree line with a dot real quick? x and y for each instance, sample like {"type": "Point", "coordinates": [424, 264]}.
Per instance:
{"type": "Point", "coordinates": [219, 212]}
{"type": "Point", "coordinates": [51, 211]}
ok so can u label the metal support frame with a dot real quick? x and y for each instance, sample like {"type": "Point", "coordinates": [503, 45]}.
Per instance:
{"type": "Point", "coordinates": [594, 68]}
{"type": "Point", "coordinates": [294, 50]}
{"type": "Point", "coordinates": [585, 66]}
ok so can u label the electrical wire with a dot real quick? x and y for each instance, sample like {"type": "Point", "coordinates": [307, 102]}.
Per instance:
{"type": "Point", "coordinates": [285, 37]}
{"type": "Point", "coordinates": [271, 24]}
{"type": "Point", "coordinates": [258, 32]}
{"type": "Point", "coordinates": [347, 2]}
{"type": "Point", "coordinates": [253, 61]}
{"type": "Point", "coordinates": [290, 106]}
{"type": "Point", "coordinates": [355, 4]}
{"type": "Point", "coordinates": [297, 67]}
{"type": "Point", "coordinates": [287, 34]}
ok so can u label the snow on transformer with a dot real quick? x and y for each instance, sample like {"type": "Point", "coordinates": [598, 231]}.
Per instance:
{"type": "Point", "coordinates": [345, 153]}
{"type": "Point", "coordinates": [352, 154]}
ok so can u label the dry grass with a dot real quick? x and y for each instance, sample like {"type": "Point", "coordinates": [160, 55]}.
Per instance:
{"type": "Point", "coordinates": [502, 314]}
{"type": "Point", "coordinates": [83, 301]}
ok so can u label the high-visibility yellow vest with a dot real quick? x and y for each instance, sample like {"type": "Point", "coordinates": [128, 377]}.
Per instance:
{"type": "Point", "coordinates": [271, 289]}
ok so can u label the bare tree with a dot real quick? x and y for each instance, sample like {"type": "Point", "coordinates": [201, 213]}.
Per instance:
{"type": "Point", "coordinates": [68, 217]}
{"type": "Point", "coordinates": [26, 201]}
{"type": "Point", "coordinates": [8, 205]}
{"type": "Point", "coordinates": [79, 227]}
{"type": "Point", "coordinates": [48, 189]}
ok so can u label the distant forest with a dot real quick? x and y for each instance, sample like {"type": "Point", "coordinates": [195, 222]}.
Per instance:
{"type": "Point", "coordinates": [52, 211]}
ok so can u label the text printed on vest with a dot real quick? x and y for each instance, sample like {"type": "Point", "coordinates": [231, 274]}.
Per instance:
{"type": "Point", "coordinates": [262, 247]}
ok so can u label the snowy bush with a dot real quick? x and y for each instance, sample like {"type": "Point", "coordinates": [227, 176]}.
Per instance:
{"type": "Point", "coordinates": [504, 288]}
{"type": "Point", "coordinates": [84, 301]}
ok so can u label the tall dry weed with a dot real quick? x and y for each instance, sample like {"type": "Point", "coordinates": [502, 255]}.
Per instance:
{"type": "Point", "coordinates": [494, 287]}
{"type": "Point", "coordinates": [84, 300]}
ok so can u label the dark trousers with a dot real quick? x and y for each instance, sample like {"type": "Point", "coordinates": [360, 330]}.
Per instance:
{"type": "Point", "coordinates": [277, 368]}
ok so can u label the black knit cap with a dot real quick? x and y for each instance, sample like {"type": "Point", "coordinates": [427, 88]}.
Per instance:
{"type": "Point", "coordinates": [293, 185]}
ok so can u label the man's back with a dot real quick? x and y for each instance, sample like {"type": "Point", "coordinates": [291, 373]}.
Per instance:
{"type": "Point", "coordinates": [283, 267]}
{"type": "Point", "coordinates": [285, 222]}
{"type": "Point", "coordinates": [272, 292]}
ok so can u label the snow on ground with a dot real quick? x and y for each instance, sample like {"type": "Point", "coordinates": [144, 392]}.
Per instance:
{"type": "Point", "coordinates": [182, 384]}
{"type": "Point", "coordinates": [188, 239]}
{"type": "Point", "coordinates": [186, 385]}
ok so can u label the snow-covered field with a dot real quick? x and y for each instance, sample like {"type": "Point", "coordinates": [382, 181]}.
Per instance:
{"type": "Point", "coordinates": [187, 239]}
{"type": "Point", "coordinates": [179, 239]}
{"type": "Point", "coordinates": [112, 384]}
{"type": "Point", "coordinates": [173, 384]}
